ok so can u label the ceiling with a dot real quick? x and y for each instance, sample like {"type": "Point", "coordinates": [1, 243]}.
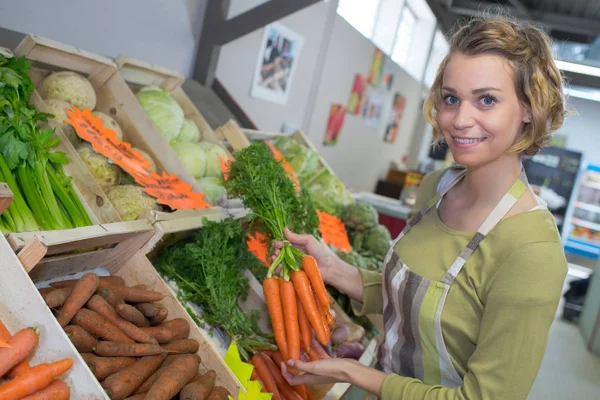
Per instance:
{"type": "Point", "coordinates": [574, 25]}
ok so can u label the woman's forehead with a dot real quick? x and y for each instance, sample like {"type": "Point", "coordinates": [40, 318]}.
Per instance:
{"type": "Point", "coordinates": [469, 73]}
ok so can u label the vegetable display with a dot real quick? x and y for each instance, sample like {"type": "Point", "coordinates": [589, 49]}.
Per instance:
{"type": "Point", "coordinates": [24, 381]}
{"type": "Point", "coordinates": [43, 196]}
{"type": "Point", "coordinates": [209, 270]}
{"type": "Point", "coordinates": [129, 348]}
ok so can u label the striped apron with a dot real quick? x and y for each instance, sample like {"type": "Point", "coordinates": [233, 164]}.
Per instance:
{"type": "Point", "coordinates": [413, 344]}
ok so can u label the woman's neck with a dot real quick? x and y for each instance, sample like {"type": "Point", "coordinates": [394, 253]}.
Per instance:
{"type": "Point", "coordinates": [488, 183]}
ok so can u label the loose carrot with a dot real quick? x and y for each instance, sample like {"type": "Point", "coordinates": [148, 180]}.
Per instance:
{"type": "Point", "coordinates": [82, 291]}
{"type": "Point", "coordinates": [254, 376]}
{"type": "Point", "coordinates": [172, 357]}
{"type": "Point", "coordinates": [148, 309]}
{"type": "Point", "coordinates": [266, 376]}
{"type": "Point", "coordinates": [123, 383]}
{"type": "Point", "coordinates": [132, 314]}
{"type": "Point", "coordinates": [21, 345]}
{"type": "Point", "coordinates": [219, 393]}
{"type": "Point", "coordinates": [81, 339]}
{"type": "Point", "coordinates": [182, 346]}
{"type": "Point", "coordinates": [57, 390]}
{"type": "Point", "coordinates": [160, 317]}
{"type": "Point", "coordinates": [20, 367]}
{"type": "Point", "coordinates": [118, 349]}
{"type": "Point", "coordinates": [309, 305]}
{"type": "Point", "coordinates": [98, 326]}
{"type": "Point", "coordinates": [161, 333]}
{"type": "Point", "coordinates": [199, 389]}
{"type": "Point", "coordinates": [101, 306]}
{"type": "Point", "coordinates": [284, 387]}
{"type": "Point", "coordinates": [153, 378]}
{"type": "Point", "coordinates": [174, 379]}
{"type": "Point", "coordinates": [135, 295]}
{"type": "Point", "coordinates": [111, 295]}
{"type": "Point", "coordinates": [309, 265]}
{"type": "Point", "coordinates": [278, 358]}
{"type": "Point", "coordinates": [313, 355]}
{"type": "Point", "coordinates": [273, 300]}
{"type": "Point", "coordinates": [103, 367]}
{"type": "Point", "coordinates": [305, 331]}
{"type": "Point", "coordinates": [57, 297]}
{"type": "Point", "coordinates": [37, 378]}
{"type": "Point", "coordinates": [180, 328]}
{"type": "Point", "coordinates": [301, 390]}
{"type": "Point", "coordinates": [104, 282]}
{"type": "Point", "coordinates": [289, 304]}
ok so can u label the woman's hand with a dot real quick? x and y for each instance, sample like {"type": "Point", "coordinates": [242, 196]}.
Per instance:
{"type": "Point", "coordinates": [332, 370]}
{"type": "Point", "coordinates": [326, 259]}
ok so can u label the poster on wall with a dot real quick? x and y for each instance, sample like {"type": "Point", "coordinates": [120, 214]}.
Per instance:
{"type": "Point", "coordinates": [376, 72]}
{"type": "Point", "coordinates": [277, 61]}
{"type": "Point", "coordinates": [392, 127]}
{"type": "Point", "coordinates": [357, 95]}
{"type": "Point", "coordinates": [372, 109]}
{"type": "Point", "coordinates": [337, 114]}
{"type": "Point", "coordinates": [388, 73]}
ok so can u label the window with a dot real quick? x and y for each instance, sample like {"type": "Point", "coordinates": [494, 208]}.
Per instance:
{"type": "Point", "coordinates": [438, 52]}
{"type": "Point", "coordinates": [404, 36]}
{"type": "Point", "coordinates": [361, 14]}
{"type": "Point", "coordinates": [386, 24]}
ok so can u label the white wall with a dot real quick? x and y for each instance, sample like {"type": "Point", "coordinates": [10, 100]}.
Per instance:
{"type": "Point", "coordinates": [237, 63]}
{"type": "Point", "coordinates": [360, 156]}
{"type": "Point", "coordinates": [158, 31]}
{"type": "Point", "coordinates": [583, 129]}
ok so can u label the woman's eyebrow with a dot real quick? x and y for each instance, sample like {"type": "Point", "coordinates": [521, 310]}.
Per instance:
{"type": "Point", "coordinates": [485, 89]}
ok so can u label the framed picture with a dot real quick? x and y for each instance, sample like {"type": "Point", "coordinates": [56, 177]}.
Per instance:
{"type": "Point", "coordinates": [277, 61]}
{"type": "Point", "coordinates": [337, 114]}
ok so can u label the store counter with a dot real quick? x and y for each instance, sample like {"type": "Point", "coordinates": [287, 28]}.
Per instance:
{"type": "Point", "coordinates": [392, 213]}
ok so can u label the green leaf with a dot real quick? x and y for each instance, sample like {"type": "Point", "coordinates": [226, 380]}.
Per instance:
{"type": "Point", "coordinates": [59, 158]}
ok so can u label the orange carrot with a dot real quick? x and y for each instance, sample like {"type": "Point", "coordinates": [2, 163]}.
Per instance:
{"type": "Point", "coordinates": [20, 367]}
{"type": "Point", "coordinates": [111, 295]}
{"type": "Point", "coordinates": [180, 328]}
{"type": "Point", "coordinates": [104, 282]}
{"type": "Point", "coordinates": [37, 378]}
{"type": "Point", "coordinates": [278, 358]}
{"type": "Point", "coordinates": [161, 333]}
{"type": "Point", "coordinates": [57, 390]}
{"type": "Point", "coordinates": [82, 291]}
{"type": "Point", "coordinates": [103, 367]}
{"type": "Point", "coordinates": [266, 376]}
{"type": "Point", "coordinates": [132, 314]}
{"type": "Point", "coordinates": [309, 304]}
{"type": "Point", "coordinates": [21, 345]}
{"type": "Point", "coordinates": [284, 387]}
{"type": "Point", "coordinates": [256, 378]}
{"type": "Point", "coordinates": [160, 317]}
{"type": "Point", "coordinates": [305, 331]}
{"type": "Point", "coordinates": [136, 295]}
{"type": "Point", "coordinates": [118, 349]}
{"type": "Point", "coordinates": [57, 297]}
{"type": "Point", "coordinates": [174, 379]}
{"type": "Point", "coordinates": [4, 344]}
{"type": "Point", "coordinates": [148, 309]}
{"type": "Point", "coordinates": [98, 326]}
{"type": "Point", "coordinates": [219, 393]}
{"type": "Point", "coordinates": [323, 314]}
{"type": "Point", "coordinates": [309, 265]}
{"type": "Point", "coordinates": [289, 304]}
{"type": "Point", "coordinates": [199, 388]}
{"type": "Point", "coordinates": [329, 318]}
{"type": "Point", "coordinates": [122, 384]}
{"type": "Point", "coordinates": [182, 346]}
{"type": "Point", "coordinates": [81, 339]}
{"type": "Point", "coordinates": [273, 300]}
{"type": "Point", "coordinates": [301, 390]}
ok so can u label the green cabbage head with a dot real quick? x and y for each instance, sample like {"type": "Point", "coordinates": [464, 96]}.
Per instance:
{"type": "Point", "coordinates": [193, 157]}
{"type": "Point", "coordinates": [163, 110]}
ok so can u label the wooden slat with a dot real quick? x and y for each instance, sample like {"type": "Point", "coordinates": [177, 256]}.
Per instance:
{"type": "Point", "coordinates": [31, 254]}
{"type": "Point", "coordinates": [142, 73]}
{"type": "Point", "coordinates": [6, 197]}
{"type": "Point", "coordinates": [234, 135]}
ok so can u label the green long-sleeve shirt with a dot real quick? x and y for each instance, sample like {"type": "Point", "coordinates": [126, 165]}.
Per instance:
{"type": "Point", "coordinates": [498, 312]}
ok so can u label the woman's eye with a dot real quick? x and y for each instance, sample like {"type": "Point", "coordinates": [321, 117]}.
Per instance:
{"type": "Point", "coordinates": [451, 100]}
{"type": "Point", "coordinates": [487, 101]}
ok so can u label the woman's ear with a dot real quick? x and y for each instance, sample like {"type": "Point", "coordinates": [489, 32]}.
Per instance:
{"type": "Point", "coordinates": [526, 116]}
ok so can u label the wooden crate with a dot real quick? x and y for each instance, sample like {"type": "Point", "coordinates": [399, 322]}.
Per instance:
{"type": "Point", "coordinates": [119, 252]}
{"type": "Point", "coordinates": [115, 99]}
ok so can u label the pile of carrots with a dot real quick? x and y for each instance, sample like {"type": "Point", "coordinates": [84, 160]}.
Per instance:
{"type": "Point", "coordinates": [127, 342]}
{"type": "Point", "coordinates": [22, 380]}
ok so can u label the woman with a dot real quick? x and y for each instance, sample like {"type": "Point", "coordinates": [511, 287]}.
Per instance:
{"type": "Point", "coordinates": [470, 287]}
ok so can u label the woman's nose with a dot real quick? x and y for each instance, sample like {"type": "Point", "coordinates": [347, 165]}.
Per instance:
{"type": "Point", "coordinates": [464, 117]}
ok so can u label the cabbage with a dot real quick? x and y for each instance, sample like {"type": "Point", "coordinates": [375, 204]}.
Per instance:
{"type": "Point", "coordinates": [189, 132]}
{"type": "Point", "coordinates": [193, 157]}
{"type": "Point", "coordinates": [213, 188]}
{"type": "Point", "coordinates": [329, 194]}
{"type": "Point", "coordinates": [166, 114]}
{"type": "Point", "coordinates": [214, 152]}
{"type": "Point", "coordinates": [303, 161]}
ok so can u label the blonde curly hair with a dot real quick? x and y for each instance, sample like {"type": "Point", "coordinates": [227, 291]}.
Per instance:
{"type": "Point", "coordinates": [538, 82]}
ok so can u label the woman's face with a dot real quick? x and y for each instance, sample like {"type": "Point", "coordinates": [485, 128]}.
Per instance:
{"type": "Point", "coordinates": [480, 115]}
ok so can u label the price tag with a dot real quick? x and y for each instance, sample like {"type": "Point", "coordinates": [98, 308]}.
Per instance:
{"type": "Point", "coordinates": [286, 165]}
{"type": "Point", "coordinates": [333, 231]}
{"type": "Point", "coordinates": [243, 372]}
{"type": "Point", "coordinates": [167, 189]}
{"type": "Point", "coordinates": [257, 245]}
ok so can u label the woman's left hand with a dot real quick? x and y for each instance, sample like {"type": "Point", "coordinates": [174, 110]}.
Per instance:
{"type": "Point", "coordinates": [321, 372]}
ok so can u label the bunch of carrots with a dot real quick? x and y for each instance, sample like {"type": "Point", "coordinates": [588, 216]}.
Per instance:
{"type": "Point", "coordinates": [24, 381]}
{"type": "Point", "coordinates": [127, 342]}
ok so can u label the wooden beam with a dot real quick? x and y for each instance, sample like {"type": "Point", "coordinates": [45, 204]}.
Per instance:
{"type": "Point", "coordinates": [207, 55]}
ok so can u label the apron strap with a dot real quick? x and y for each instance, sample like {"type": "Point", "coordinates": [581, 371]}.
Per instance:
{"type": "Point", "coordinates": [507, 202]}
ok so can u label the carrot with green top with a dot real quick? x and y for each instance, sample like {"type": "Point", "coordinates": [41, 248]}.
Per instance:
{"type": "Point", "coordinates": [273, 300]}
{"type": "Point", "coordinates": [20, 367]}
{"type": "Point", "coordinates": [289, 304]}
{"type": "Point", "coordinates": [309, 304]}
{"type": "Point", "coordinates": [266, 376]}
{"type": "Point", "coordinates": [36, 378]}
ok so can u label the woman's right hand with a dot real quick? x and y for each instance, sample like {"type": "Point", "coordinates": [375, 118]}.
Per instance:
{"type": "Point", "coordinates": [327, 261]}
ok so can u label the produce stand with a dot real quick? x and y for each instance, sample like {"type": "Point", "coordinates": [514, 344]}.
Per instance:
{"type": "Point", "coordinates": [109, 247]}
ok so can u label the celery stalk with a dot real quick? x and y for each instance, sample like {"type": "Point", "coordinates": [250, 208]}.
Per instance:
{"type": "Point", "coordinates": [61, 177]}
{"type": "Point", "coordinates": [66, 201]}
{"type": "Point", "coordinates": [62, 221]}
{"type": "Point", "coordinates": [34, 198]}
{"type": "Point", "coordinates": [3, 227]}
{"type": "Point", "coordinates": [29, 222]}
{"type": "Point", "coordinates": [8, 220]}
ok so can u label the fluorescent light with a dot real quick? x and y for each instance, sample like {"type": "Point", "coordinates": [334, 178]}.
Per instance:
{"type": "Point", "coordinates": [583, 93]}
{"type": "Point", "coordinates": [578, 68]}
